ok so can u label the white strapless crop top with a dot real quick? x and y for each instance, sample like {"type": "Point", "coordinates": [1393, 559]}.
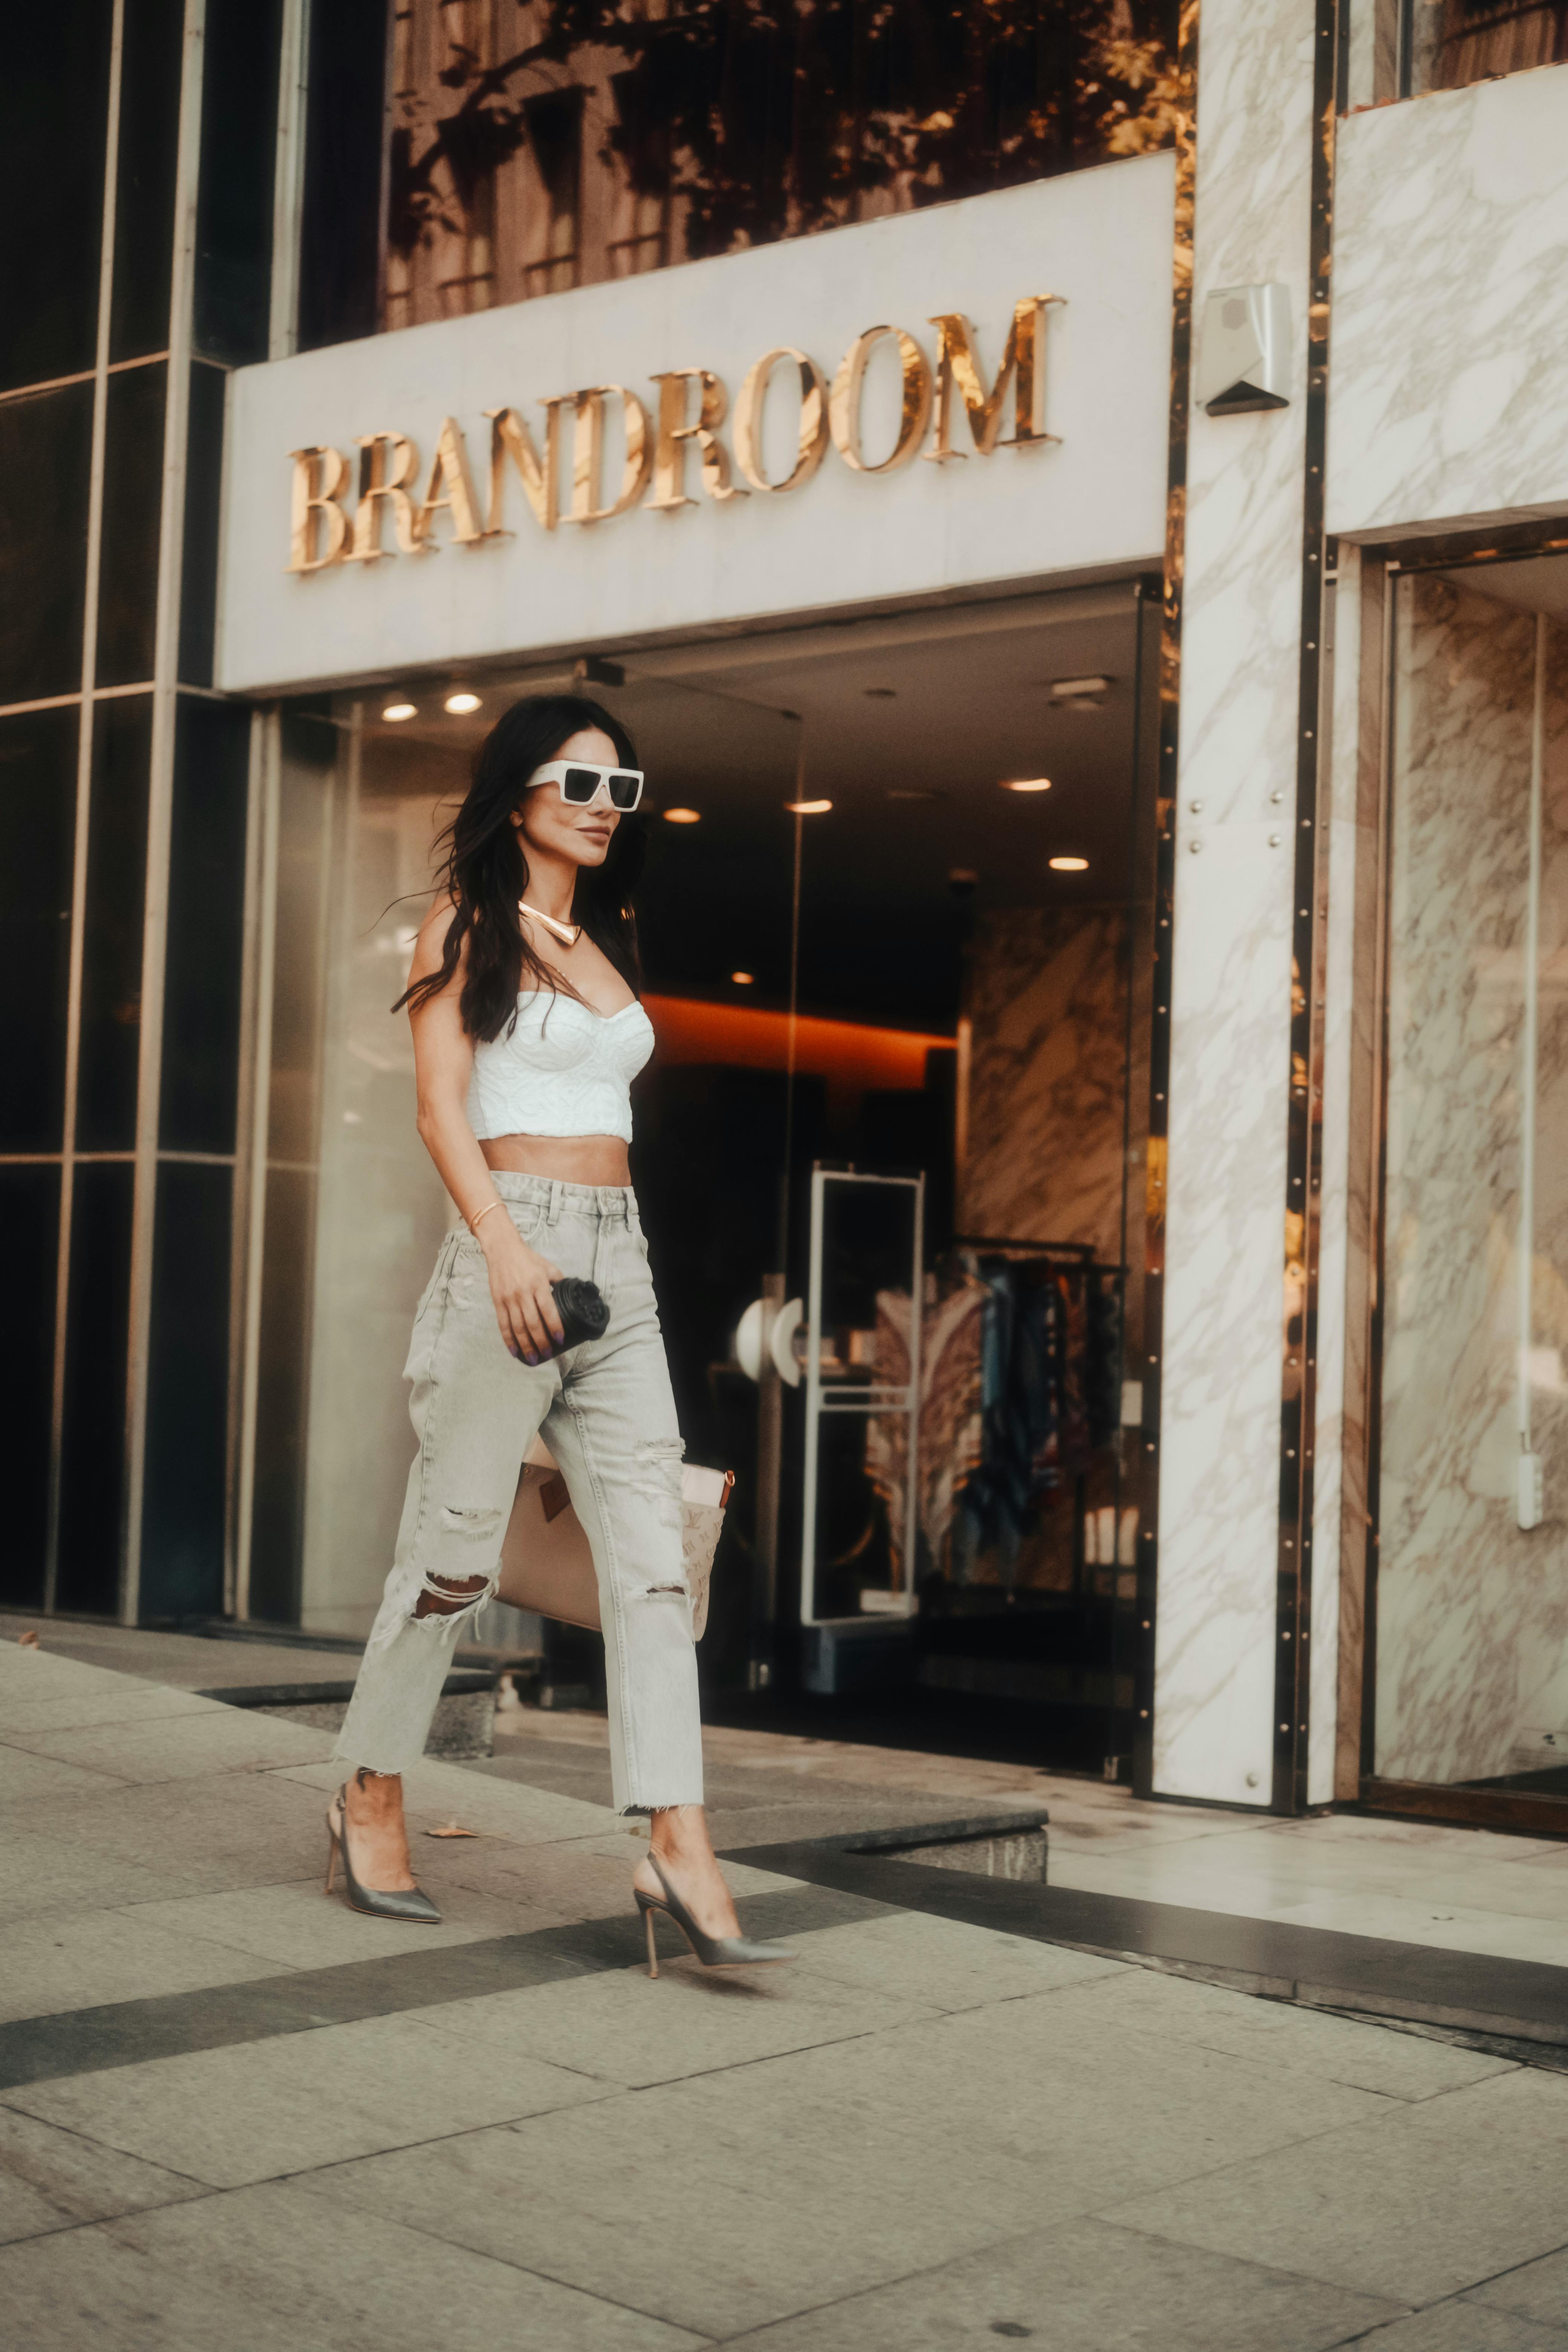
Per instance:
{"type": "Point", "coordinates": [562, 1069]}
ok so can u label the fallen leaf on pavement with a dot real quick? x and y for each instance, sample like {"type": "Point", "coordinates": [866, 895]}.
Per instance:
{"type": "Point", "coordinates": [452, 1829]}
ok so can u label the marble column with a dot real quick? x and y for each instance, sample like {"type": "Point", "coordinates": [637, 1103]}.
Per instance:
{"type": "Point", "coordinates": [1230, 1092]}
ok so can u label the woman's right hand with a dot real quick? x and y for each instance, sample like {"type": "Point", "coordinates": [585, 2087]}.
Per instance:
{"type": "Point", "coordinates": [525, 1306]}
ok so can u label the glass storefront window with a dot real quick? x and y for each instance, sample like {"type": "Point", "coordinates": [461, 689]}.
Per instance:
{"type": "Point", "coordinates": [859, 954]}
{"type": "Point", "coordinates": [1472, 1594]}
{"type": "Point", "coordinates": [567, 141]}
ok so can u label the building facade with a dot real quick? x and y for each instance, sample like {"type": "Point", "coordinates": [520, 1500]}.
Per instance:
{"type": "Point", "coordinates": [1075, 518]}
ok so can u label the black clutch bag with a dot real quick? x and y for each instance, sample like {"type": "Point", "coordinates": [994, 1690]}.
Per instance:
{"type": "Point", "coordinates": [583, 1311]}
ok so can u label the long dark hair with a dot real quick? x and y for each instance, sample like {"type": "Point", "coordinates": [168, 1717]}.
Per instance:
{"type": "Point", "coordinates": [485, 870]}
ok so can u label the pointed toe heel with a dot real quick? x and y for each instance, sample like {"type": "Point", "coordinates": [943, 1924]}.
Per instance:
{"type": "Point", "coordinates": [713, 1951]}
{"type": "Point", "coordinates": [410, 1904]}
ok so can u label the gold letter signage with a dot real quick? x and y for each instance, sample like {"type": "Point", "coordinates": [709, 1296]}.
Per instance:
{"type": "Point", "coordinates": [692, 406]}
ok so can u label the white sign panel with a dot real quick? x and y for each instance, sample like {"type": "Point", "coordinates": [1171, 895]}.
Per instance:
{"type": "Point", "coordinates": [971, 394]}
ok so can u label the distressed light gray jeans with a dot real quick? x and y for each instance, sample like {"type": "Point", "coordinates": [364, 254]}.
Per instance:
{"type": "Point", "coordinates": [608, 1417]}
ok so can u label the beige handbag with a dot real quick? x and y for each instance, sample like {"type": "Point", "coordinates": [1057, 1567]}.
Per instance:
{"type": "Point", "coordinates": [545, 1562]}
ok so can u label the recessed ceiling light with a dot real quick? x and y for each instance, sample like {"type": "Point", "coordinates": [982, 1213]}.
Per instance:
{"type": "Point", "coordinates": [396, 710]}
{"type": "Point", "coordinates": [744, 978]}
{"type": "Point", "coordinates": [1026, 783]}
{"type": "Point", "coordinates": [1068, 865]}
{"type": "Point", "coordinates": [683, 816]}
{"type": "Point", "coordinates": [809, 808]}
{"type": "Point", "coordinates": [459, 705]}
{"type": "Point", "coordinates": [1079, 693]}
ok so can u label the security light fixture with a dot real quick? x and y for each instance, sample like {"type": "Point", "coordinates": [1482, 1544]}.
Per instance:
{"type": "Point", "coordinates": [1244, 350]}
{"type": "Point", "coordinates": [459, 705]}
{"type": "Point", "coordinates": [397, 710]}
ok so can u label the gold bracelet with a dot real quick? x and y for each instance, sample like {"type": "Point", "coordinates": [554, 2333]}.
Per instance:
{"type": "Point", "coordinates": [475, 1223]}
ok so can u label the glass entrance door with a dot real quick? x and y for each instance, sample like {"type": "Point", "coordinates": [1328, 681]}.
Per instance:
{"type": "Point", "coordinates": [1470, 1615]}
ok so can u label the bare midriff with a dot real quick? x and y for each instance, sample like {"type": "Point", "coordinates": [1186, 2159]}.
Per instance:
{"type": "Point", "coordinates": [574, 1159]}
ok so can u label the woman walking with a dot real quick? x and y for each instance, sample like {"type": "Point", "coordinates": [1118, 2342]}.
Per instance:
{"type": "Point", "coordinates": [528, 1030]}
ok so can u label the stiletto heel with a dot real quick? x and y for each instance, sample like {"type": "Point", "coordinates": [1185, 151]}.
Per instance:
{"type": "Point", "coordinates": [381, 1902]}
{"type": "Point", "coordinates": [713, 1951]}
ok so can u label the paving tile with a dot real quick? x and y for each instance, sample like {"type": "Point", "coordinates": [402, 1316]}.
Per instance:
{"type": "Point", "coordinates": [362, 2283]}
{"type": "Point", "coordinates": [1340, 2050]}
{"type": "Point", "coordinates": [50, 2178]}
{"type": "Point", "coordinates": [1538, 2290]}
{"type": "Point", "coordinates": [1086, 2288]}
{"type": "Point", "coordinates": [1466, 2327]}
{"type": "Point", "coordinates": [718, 2213]}
{"type": "Point", "coordinates": [26, 1778]}
{"type": "Point", "coordinates": [255, 2109]}
{"type": "Point", "coordinates": [41, 1874]}
{"type": "Point", "coordinates": [77, 1959]}
{"type": "Point", "coordinates": [1034, 2073]}
{"type": "Point", "coordinates": [83, 2288]}
{"type": "Point", "coordinates": [224, 1739]}
{"type": "Point", "coordinates": [295, 1926]}
{"type": "Point", "coordinates": [1420, 2202]}
{"type": "Point", "coordinates": [945, 1964]}
{"type": "Point", "coordinates": [231, 1829]}
{"type": "Point", "coordinates": [630, 2027]}
{"type": "Point", "coordinates": [132, 1701]}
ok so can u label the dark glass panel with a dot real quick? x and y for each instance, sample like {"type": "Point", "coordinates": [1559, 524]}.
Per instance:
{"type": "Point", "coordinates": [340, 246]}
{"type": "Point", "coordinates": [128, 551]}
{"type": "Point", "coordinates": [98, 1338]}
{"type": "Point", "coordinates": [37, 826]}
{"type": "Point", "coordinates": [145, 180]}
{"type": "Point", "coordinates": [46, 457]}
{"type": "Point", "coordinates": [183, 1513]}
{"type": "Point", "coordinates": [111, 1035]}
{"type": "Point", "coordinates": [234, 209]}
{"type": "Point", "coordinates": [29, 1213]}
{"type": "Point", "coordinates": [278, 1514]}
{"type": "Point", "coordinates": [206, 909]}
{"type": "Point", "coordinates": [53, 111]}
{"type": "Point", "coordinates": [204, 486]}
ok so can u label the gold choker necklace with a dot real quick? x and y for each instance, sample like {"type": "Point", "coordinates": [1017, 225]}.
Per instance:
{"type": "Point", "coordinates": [567, 933]}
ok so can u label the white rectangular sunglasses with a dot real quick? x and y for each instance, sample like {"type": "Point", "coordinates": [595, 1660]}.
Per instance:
{"type": "Point", "coordinates": [582, 781]}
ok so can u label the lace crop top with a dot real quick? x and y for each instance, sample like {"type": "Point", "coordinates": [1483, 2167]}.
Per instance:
{"type": "Point", "coordinates": [562, 1069]}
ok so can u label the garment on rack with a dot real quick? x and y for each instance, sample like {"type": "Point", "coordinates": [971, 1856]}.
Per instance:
{"type": "Point", "coordinates": [1051, 1358]}
{"type": "Point", "coordinates": [1104, 1358]}
{"type": "Point", "coordinates": [949, 1444]}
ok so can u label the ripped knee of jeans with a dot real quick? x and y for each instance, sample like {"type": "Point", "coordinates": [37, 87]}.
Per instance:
{"type": "Point", "coordinates": [452, 1596]}
{"type": "Point", "coordinates": [656, 1478]}
{"type": "Point", "coordinates": [455, 1595]}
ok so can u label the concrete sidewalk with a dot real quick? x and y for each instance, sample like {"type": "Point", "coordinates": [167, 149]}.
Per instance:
{"type": "Point", "coordinates": [233, 2113]}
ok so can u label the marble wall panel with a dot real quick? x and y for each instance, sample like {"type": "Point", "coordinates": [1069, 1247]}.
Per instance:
{"type": "Point", "coordinates": [1472, 1612]}
{"type": "Point", "coordinates": [1449, 366]}
{"type": "Point", "coordinates": [1219, 1525]}
{"type": "Point", "coordinates": [1046, 995]}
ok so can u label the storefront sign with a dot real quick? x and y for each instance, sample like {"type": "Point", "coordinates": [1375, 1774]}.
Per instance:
{"type": "Point", "coordinates": [389, 470]}
{"type": "Point", "coordinates": [709, 444]}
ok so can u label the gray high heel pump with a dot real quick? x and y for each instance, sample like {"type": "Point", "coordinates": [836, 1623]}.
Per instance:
{"type": "Point", "coordinates": [713, 1951]}
{"type": "Point", "coordinates": [381, 1902]}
